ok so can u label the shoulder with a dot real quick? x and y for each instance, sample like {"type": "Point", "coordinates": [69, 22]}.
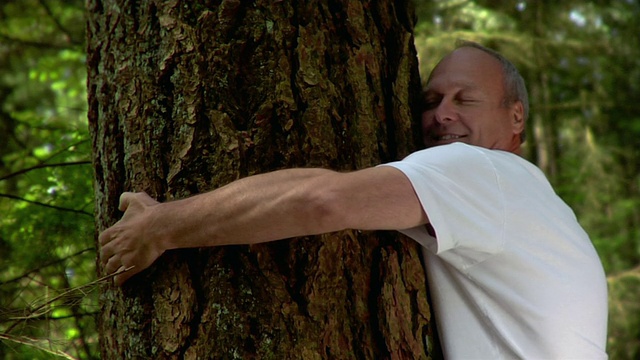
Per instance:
{"type": "Point", "coordinates": [457, 149]}
{"type": "Point", "coordinates": [456, 154]}
{"type": "Point", "coordinates": [461, 151]}
{"type": "Point", "coordinates": [459, 159]}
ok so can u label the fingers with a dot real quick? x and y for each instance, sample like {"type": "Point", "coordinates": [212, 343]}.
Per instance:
{"type": "Point", "coordinates": [112, 265]}
{"type": "Point", "coordinates": [108, 235]}
{"type": "Point", "coordinates": [125, 199]}
{"type": "Point", "coordinates": [117, 279]}
{"type": "Point", "coordinates": [120, 244]}
{"type": "Point", "coordinates": [106, 250]}
{"type": "Point", "coordinates": [110, 260]}
{"type": "Point", "coordinates": [123, 275]}
{"type": "Point", "coordinates": [115, 266]}
{"type": "Point", "coordinates": [108, 253]}
{"type": "Point", "coordinates": [104, 237]}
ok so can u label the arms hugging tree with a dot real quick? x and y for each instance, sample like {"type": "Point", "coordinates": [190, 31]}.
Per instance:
{"type": "Point", "coordinates": [185, 97]}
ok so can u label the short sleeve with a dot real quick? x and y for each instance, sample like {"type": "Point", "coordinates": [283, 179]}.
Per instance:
{"type": "Point", "coordinates": [459, 189]}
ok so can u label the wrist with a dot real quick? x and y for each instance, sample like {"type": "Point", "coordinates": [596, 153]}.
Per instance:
{"type": "Point", "coordinates": [161, 232]}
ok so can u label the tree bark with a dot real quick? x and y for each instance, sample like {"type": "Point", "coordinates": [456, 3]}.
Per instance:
{"type": "Point", "coordinates": [186, 96]}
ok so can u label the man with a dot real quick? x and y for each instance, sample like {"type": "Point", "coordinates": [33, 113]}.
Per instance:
{"type": "Point", "coordinates": [511, 272]}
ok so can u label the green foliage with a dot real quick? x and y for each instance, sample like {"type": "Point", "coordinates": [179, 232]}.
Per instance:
{"type": "Point", "coordinates": [46, 221]}
{"type": "Point", "coordinates": [624, 339]}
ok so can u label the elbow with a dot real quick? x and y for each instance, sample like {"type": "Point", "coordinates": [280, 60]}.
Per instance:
{"type": "Point", "coordinates": [325, 206]}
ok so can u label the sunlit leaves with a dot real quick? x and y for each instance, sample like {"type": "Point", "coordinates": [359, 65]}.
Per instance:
{"type": "Point", "coordinates": [46, 223]}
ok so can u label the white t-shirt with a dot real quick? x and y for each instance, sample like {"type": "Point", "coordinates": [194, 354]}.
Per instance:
{"type": "Point", "coordinates": [511, 272]}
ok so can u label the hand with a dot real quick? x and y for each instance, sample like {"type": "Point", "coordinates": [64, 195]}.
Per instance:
{"type": "Point", "coordinates": [129, 243]}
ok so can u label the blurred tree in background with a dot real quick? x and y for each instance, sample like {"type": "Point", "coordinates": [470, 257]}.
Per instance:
{"type": "Point", "coordinates": [46, 221]}
{"type": "Point", "coordinates": [581, 61]}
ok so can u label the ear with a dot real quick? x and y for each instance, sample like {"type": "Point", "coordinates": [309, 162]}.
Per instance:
{"type": "Point", "coordinates": [517, 113]}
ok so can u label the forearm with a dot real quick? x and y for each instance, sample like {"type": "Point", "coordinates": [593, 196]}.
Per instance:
{"type": "Point", "coordinates": [260, 208]}
{"type": "Point", "coordinates": [256, 209]}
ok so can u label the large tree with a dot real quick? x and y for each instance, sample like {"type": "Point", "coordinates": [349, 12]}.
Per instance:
{"type": "Point", "coordinates": [186, 96]}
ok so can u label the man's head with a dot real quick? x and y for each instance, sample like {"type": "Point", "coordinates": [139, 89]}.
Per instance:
{"type": "Point", "coordinates": [476, 96]}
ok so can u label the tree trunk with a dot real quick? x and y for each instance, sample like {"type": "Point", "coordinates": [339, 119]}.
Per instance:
{"type": "Point", "coordinates": [543, 122]}
{"type": "Point", "coordinates": [186, 96]}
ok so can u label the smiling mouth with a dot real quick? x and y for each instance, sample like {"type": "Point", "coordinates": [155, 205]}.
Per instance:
{"type": "Point", "coordinates": [447, 137]}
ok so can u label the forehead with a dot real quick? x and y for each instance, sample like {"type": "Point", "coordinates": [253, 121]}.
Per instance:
{"type": "Point", "coordinates": [467, 68]}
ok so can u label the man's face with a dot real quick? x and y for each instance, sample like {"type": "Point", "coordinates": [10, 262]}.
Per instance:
{"type": "Point", "coordinates": [464, 103]}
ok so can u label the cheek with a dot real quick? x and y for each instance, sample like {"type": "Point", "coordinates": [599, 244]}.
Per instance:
{"type": "Point", "coordinates": [497, 127]}
{"type": "Point", "coordinates": [426, 119]}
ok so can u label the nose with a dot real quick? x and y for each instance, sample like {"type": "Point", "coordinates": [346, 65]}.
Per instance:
{"type": "Point", "coordinates": [445, 112]}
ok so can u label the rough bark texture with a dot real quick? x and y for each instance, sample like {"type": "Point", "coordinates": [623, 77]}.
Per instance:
{"type": "Point", "coordinates": [186, 96]}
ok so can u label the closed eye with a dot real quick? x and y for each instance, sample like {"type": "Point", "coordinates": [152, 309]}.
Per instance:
{"type": "Point", "coordinates": [465, 100]}
{"type": "Point", "coordinates": [466, 97]}
{"type": "Point", "coordinates": [430, 103]}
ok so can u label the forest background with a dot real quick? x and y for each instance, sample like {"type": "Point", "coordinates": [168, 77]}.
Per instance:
{"type": "Point", "coordinates": [581, 61]}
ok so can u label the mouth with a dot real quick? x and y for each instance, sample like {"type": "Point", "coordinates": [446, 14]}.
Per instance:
{"type": "Point", "coordinates": [446, 137]}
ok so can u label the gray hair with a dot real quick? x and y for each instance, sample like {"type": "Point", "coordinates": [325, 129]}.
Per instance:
{"type": "Point", "coordinates": [515, 88]}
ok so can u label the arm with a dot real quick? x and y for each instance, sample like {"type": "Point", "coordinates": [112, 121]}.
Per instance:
{"type": "Point", "coordinates": [260, 208]}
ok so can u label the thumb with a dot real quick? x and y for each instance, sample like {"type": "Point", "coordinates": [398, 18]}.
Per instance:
{"type": "Point", "coordinates": [125, 200]}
